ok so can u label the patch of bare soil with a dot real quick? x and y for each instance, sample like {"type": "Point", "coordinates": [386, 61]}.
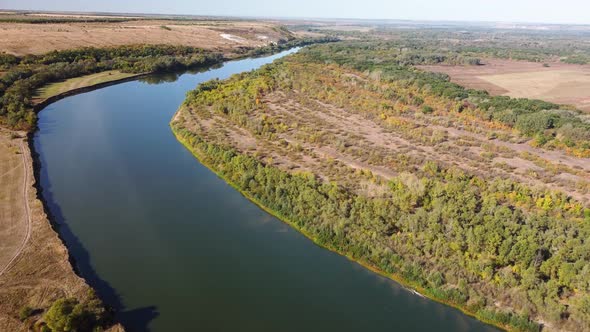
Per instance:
{"type": "Point", "coordinates": [23, 38]}
{"type": "Point", "coordinates": [559, 83]}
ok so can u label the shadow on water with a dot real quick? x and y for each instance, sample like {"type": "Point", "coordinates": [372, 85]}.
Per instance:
{"type": "Point", "coordinates": [171, 77]}
{"type": "Point", "coordinates": [132, 319]}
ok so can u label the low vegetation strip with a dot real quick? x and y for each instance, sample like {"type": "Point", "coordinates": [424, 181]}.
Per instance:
{"type": "Point", "coordinates": [387, 165]}
{"type": "Point", "coordinates": [54, 89]}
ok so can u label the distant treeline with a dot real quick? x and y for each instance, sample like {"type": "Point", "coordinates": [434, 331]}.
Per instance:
{"type": "Point", "coordinates": [46, 20]}
{"type": "Point", "coordinates": [516, 44]}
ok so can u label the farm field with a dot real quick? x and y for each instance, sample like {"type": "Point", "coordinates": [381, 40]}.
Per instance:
{"type": "Point", "coordinates": [24, 38]}
{"type": "Point", "coordinates": [559, 83]}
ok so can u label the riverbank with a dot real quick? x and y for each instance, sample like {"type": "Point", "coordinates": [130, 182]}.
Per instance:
{"type": "Point", "coordinates": [39, 270]}
{"type": "Point", "coordinates": [42, 103]}
{"type": "Point", "coordinates": [492, 317]}
{"type": "Point", "coordinates": [56, 88]}
{"type": "Point", "coordinates": [199, 155]}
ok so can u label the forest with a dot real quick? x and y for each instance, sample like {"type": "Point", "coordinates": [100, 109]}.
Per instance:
{"type": "Point", "coordinates": [482, 239]}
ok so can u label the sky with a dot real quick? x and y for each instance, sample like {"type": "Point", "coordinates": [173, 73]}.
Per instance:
{"type": "Point", "coordinates": [539, 11]}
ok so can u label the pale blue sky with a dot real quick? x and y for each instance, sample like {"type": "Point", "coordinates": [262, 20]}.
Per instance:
{"type": "Point", "coordinates": [550, 11]}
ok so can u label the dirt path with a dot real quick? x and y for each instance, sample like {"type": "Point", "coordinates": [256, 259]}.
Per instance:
{"type": "Point", "coordinates": [27, 210]}
{"type": "Point", "coordinates": [11, 170]}
{"type": "Point", "coordinates": [35, 269]}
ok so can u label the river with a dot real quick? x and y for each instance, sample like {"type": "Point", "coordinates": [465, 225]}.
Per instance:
{"type": "Point", "coordinates": [174, 248]}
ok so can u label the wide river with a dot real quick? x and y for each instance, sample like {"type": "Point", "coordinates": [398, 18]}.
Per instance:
{"type": "Point", "coordinates": [174, 248]}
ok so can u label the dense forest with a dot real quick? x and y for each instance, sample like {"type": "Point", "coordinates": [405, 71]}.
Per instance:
{"type": "Point", "coordinates": [511, 254]}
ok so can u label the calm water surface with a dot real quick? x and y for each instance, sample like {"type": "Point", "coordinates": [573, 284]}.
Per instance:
{"type": "Point", "coordinates": [174, 248]}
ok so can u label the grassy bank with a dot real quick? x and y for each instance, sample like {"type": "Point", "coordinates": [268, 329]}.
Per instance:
{"type": "Point", "coordinates": [57, 88]}
{"type": "Point", "coordinates": [503, 321]}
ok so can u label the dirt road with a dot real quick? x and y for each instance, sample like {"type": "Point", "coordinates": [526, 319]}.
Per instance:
{"type": "Point", "coordinates": [24, 224]}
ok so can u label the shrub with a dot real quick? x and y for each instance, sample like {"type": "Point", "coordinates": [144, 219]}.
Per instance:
{"type": "Point", "coordinates": [533, 123]}
{"type": "Point", "coordinates": [68, 314]}
{"type": "Point", "coordinates": [25, 312]}
{"type": "Point", "coordinates": [427, 109]}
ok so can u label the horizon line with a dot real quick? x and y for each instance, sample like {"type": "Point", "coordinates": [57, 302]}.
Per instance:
{"type": "Point", "coordinates": [263, 17]}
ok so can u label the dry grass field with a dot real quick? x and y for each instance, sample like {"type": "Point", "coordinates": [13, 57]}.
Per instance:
{"type": "Point", "coordinates": [34, 264]}
{"type": "Point", "coordinates": [559, 83]}
{"type": "Point", "coordinates": [24, 38]}
{"type": "Point", "coordinates": [13, 214]}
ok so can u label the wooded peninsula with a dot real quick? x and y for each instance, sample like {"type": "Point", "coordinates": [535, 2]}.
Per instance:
{"type": "Point", "coordinates": [411, 175]}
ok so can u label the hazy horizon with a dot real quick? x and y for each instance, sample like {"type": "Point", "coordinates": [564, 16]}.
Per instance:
{"type": "Point", "coordinates": [525, 11]}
